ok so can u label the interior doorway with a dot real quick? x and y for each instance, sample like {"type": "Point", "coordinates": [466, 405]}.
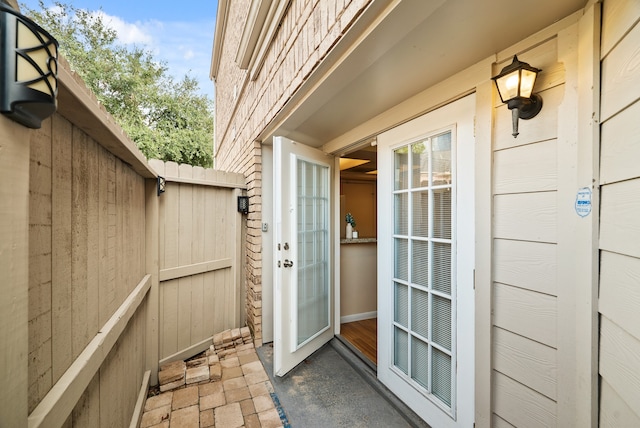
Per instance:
{"type": "Point", "coordinates": [358, 252]}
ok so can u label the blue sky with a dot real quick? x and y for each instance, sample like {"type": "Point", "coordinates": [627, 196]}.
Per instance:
{"type": "Point", "coordinates": [178, 33]}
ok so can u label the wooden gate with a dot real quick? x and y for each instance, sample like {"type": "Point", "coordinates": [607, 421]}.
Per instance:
{"type": "Point", "coordinates": [200, 257]}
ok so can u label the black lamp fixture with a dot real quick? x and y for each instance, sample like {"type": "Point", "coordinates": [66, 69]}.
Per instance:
{"type": "Point", "coordinates": [161, 185]}
{"type": "Point", "coordinates": [28, 69]}
{"type": "Point", "coordinates": [243, 204]}
{"type": "Point", "coordinates": [515, 86]}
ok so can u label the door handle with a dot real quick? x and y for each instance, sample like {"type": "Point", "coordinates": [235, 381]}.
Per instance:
{"type": "Point", "coordinates": [288, 263]}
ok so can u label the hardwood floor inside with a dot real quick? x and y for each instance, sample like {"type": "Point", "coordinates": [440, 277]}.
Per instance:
{"type": "Point", "coordinates": [364, 336]}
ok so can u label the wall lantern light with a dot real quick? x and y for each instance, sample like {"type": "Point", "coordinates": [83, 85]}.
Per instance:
{"type": "Point", "coordinates": [515, 86]}
{"type": "Point", "coordinates": [243, 204]}
{"type": "Point", "coordinates": [28, 69]}
{"type": "Point", "coordinates": [161, 185]}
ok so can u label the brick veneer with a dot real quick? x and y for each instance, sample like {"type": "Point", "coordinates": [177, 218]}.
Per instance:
{"type": "Point", "coordinates": [244, 107]}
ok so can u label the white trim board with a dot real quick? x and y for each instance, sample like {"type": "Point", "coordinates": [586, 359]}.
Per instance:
{"type": "Point", "coordinates": [358, 317]}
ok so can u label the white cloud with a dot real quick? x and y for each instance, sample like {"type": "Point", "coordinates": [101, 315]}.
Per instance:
{"type": "Point", "coordinates": [129, 33]}
{"type": "Point", "coordinates": [185, 47]}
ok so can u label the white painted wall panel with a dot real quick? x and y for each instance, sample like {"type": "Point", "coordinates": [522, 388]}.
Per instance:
{"type": "Point", "coordinates": [620, 291]}
{"type": "Point", "coordinates": [620, 146]}
{"type": "Point", "coordinates": [614, 412]}
{"type": "Point", "coordinates": [530, 168]}
{"type": "Point", "coordinates": [528, 216]}
{"type": "Point", "coordinates": [530, 265]}
{"type": "Point", "coordinates": [522, 406]}
{"type": "Point", "coordinates": [620, 362]}
{"type": "Point", "coordinates": [526, 313]}
{"type": "Point", "coordinates": [620, 218]}
{"type": "Point", "coordinates": [621, 75]}
{"type": "Point", "coordinates": [526, 361]}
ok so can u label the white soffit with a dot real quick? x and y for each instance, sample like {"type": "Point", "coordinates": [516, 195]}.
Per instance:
{"type": "Point", "coordinates": [413, 48]}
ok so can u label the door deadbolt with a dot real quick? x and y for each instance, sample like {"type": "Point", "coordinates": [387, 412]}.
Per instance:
{"type": "Point", "coordinates": [288, 263]}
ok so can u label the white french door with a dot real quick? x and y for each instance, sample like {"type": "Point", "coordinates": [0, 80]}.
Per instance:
{"type": "Point", "coordinates": [426, 261]}
{"type": "Point", "coordinates": [303, 290]}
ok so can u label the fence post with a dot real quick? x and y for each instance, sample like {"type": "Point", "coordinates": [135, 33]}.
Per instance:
{"type": "Point", "coordinates": [152, 243]}
{"type": "Point", "coordinates": [14, 266]}
{"type": "Point", "coordinates": [238, 265]}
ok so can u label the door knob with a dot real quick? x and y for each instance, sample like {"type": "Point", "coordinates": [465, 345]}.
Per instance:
{"type": "Point", "coordinates": [288, 263]}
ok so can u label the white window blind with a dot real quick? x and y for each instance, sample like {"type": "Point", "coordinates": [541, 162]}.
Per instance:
{"type": "Point", "coordinates": [424, 294]}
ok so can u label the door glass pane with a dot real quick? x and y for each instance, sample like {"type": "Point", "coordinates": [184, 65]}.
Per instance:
{"type": "Point", "coordinates": [442, 321]}
{"type": "Point", "coordinates": [401, 350]}
{"type": "Point", "coordinates": [313, 255]}
{"type": "Point", "coordinates": [420, 212]}
{"type": "Point", "coordinates": [420, 362]}
{"type": "Point", "coordinates": [401, 169]}
{"type": "Point", "coordinates": [401, 203]}
{"type": "Point", "coordinates": [420, 312]}
{"type": "Point", "coordinates": [419, 164]}
{"type": "Point", "coordinates": [441, 373]}
{"type": "Point", "coordinates": [401, 261]}
{"type": "Point", "coordinates": [401, 307]}
{"type": "Point", "coordinates": [442, 213]}
{"type": "Point", "coordinates": [424, 261]}
{"type": "Point", "coordinates": [420, 263]}
{"type": "Point", "coordinates": [441, 159]}
{"type": "Point", "coordinates": [442, 267]}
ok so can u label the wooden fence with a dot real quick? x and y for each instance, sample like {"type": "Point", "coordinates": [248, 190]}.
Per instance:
{"type": "Point", "coordinates": [84, 243]}
{"type": "Point", "coordinates": [200, 249]}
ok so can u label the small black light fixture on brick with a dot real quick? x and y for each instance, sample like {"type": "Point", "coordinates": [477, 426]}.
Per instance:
{"type": "Point", "coordinates": [28, 69]}
{"type": "Point", "coordinates": [243, 204]}
{"type": "Point", "coordinates": [515, 86]}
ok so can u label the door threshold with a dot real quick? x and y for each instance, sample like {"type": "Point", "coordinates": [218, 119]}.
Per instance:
{"type": "Point", "coordinates": [357, 353]}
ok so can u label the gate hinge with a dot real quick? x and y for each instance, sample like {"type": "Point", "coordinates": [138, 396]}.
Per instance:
{"type": "Point", "coordinates": [474, 281]}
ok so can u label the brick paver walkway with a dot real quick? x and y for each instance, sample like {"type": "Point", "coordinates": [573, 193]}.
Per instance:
{"type": "Point", "coordinates": [237, 394]}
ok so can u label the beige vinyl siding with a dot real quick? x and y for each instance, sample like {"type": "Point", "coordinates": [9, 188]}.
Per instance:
{"type": "Point", "coordinates": [525, 253]}
{"type": "Point", "coordinates": [619, 299]}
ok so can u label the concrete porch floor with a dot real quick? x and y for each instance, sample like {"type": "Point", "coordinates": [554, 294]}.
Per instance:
{"type": "Point", "coordinates": [335, 388]}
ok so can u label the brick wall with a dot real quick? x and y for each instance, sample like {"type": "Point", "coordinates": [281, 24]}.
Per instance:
{"type": "Point", "coordinates": [308, 31]}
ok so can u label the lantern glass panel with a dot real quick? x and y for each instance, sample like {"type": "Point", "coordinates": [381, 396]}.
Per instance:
{"type": "Point", "coordinates": [528, 79]}
{"type": "Point", "coordinates": [508, 85]}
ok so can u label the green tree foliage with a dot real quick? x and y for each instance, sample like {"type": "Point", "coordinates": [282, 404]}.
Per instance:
{"type": "Point", "coordinates": [167, 119]}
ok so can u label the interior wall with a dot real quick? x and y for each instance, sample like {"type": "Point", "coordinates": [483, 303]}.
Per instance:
{"type": "Point", "coordinates": [359, 199]}
{"type": "Point", "coordinates": [358, 281]}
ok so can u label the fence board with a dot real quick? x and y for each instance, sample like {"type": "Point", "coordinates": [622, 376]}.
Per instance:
{"type": "Point", "coordinates": [194, 269]}
{"type": "Point", "coordinates": [93, 240]}
{"type": "Point", "coordinates": [185, 284]}
{"type": "Point", "coordinates": [79, 330]}
{"type": "Point", "coordinates": [39, 308]}
{"type": "Point", "coordinates": [61, 253]}
{"type": "Point", "coordinates": [198, 308]}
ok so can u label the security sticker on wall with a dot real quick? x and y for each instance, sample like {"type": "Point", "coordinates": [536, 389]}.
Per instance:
{"type": "Point", "coordinates": [583, 202]}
